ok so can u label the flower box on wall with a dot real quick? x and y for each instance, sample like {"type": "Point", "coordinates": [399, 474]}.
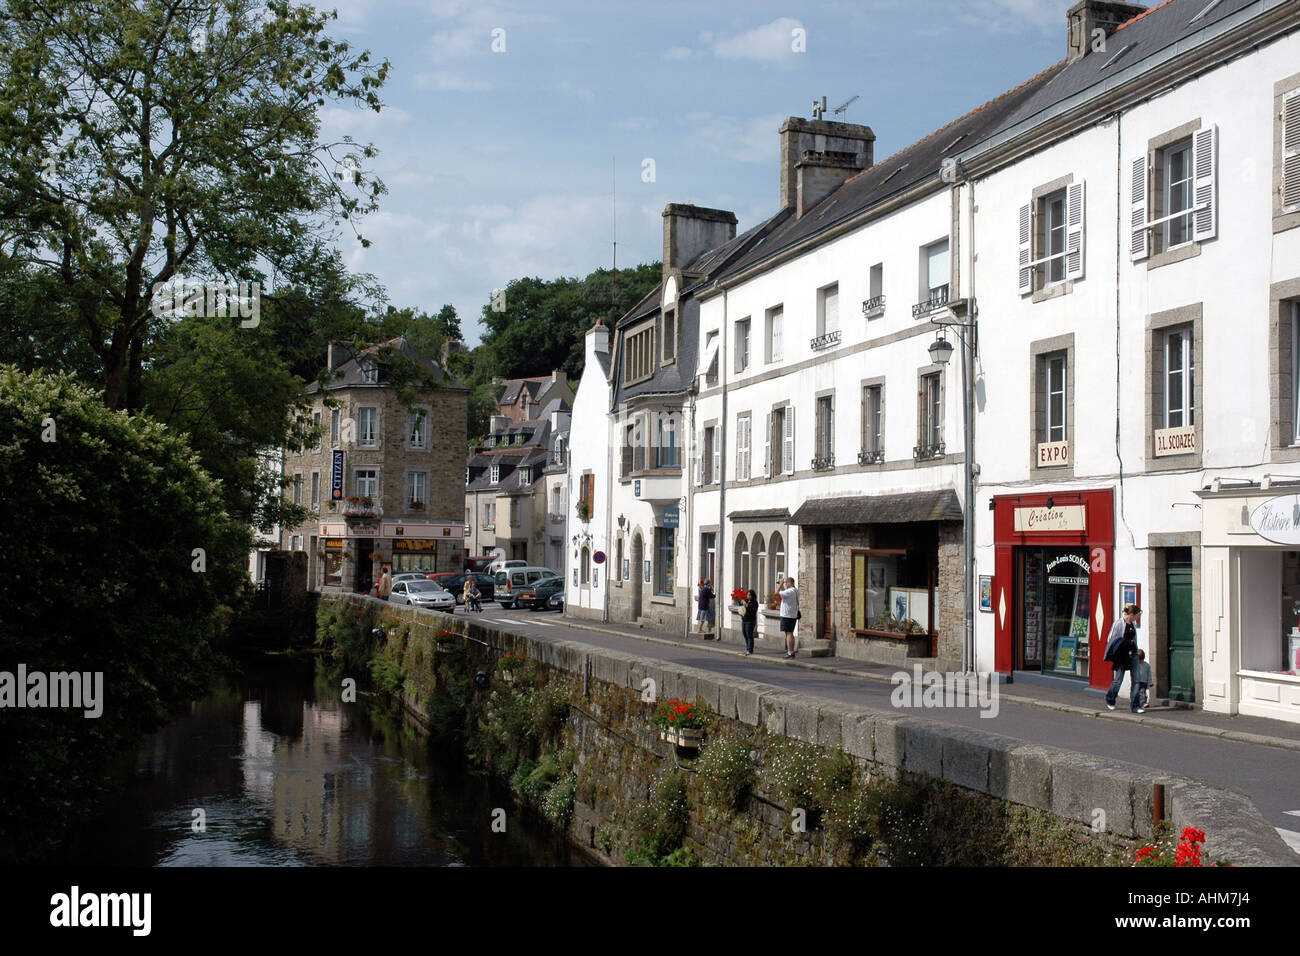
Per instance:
{"type": "Point", "coordinates": [688, 738]}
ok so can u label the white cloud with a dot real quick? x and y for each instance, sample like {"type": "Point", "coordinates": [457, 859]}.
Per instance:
{"type": "Point", "coordinates": [634, 123]}
{"type": "Point", "coordinates": [357, 121]}
{"type": "Point", "coordinates": [677, 53]}
{"type": "Point", "coordinates": [576, 90]}
{"type": "Point", "coordinates": [1005, 16]}
{"type": "Point", "coordinates": [769, 43]}
{"type": "Point", "coordinates": [752, 140]}
{"type": "Point", "coordinates": [444, 82]}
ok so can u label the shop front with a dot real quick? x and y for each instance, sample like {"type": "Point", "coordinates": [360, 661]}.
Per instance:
{"type": "Point", "coordinates": [1251, 599]}
{"type": "Point", "coordinates": [353, 554]}
{"type": "Point", "coordinates": [1052, 593]}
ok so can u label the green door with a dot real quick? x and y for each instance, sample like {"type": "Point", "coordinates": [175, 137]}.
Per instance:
{"type": "Point", "coordinates": [1182, 655]}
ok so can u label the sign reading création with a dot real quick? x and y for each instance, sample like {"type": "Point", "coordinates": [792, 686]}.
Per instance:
{"type": "Point", "coordinates": [1060, 518]}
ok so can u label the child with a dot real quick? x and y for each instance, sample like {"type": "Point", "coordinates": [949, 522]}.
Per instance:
{"type": "Point", "coordinates": [1142, 674]}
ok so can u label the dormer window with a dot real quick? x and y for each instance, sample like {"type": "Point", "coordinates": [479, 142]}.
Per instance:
{"type": "Point", "coordinates": [526, 475]}
{"type": "Point", "coordinates": [670, 337]}
{"type": "Point", "coordinates": [496, 474]}
{"type": "Point", "coordinates": [369, 373]}
{"type": "Point", "coordinates": [467, 476]}
{"type": "Point", "coordinates": [557, 453]}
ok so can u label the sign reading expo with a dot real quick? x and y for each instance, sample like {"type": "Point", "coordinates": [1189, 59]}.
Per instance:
{"type": "Point", "coordinates": [1278, 520]}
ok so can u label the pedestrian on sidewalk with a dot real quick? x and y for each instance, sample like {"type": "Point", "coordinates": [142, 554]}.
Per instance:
{"type": "Point", "coordinates": [1142, 672]}
{"type": "Point", "coordinates": [1121, 651]}
{"type": "Point", "coordinates": [749, 621]}
{"type": "Point", "coordinates": [705, 614]}
{"type": "Point", "coordinates": [385, 584]}
{"type": "Point", "coordinates": [789, 615]}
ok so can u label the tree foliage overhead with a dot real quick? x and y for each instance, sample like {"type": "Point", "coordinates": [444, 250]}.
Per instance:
{"type": "Point", "coordinates": [142, 141]}
{"type": "Point", "coordinates": [128, 563]}
{"type": "Point", "coordinates": [544, 322]}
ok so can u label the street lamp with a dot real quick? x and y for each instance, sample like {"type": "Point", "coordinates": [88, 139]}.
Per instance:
{"type": "Point", "coordinates": [940, 352]}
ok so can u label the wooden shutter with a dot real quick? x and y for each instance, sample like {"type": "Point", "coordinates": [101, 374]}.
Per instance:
{"type": "Point", "coordinates": [1026, 257]}
{"type": "Point", "coordinates": [767, 447]}
{"type": "Point", "coordinates": [1291, 149]}
{"type": "Point", "coordinates": [1139, 242]}
{"type": "Point", "coordinates": [1205, 149]}
{"type": "Point", "coordinates": [787, 441]}
{"type": "Point", "coordinates": [698, 455]}
{"type": "Point", "coordinates": [716, 473]}
{"type": "Point", "coordinates": [1074, 200]}
{"type": "Point", "coordinates": [742, 448]}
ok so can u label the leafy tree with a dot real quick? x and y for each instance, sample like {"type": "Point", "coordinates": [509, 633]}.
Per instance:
{"type": "Point", "coordinates": [129, 566]}
{"type": "Point", "coordinates": [143, 142]}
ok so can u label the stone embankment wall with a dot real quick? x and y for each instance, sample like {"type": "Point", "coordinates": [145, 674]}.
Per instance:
{"type": "Point", "coordinates": [791, 778]}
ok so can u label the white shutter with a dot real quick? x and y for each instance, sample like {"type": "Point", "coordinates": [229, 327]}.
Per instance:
{"type": "Point", "coordinates": [1291, 150]}
{"type": "Point", "coordinates": [1026, 235]}
{"type": "Point", "coordinates": [717, 453]}
{"type": "Point", "coordinates": [697, 452]}
{"type": "Point", "coordinates": [831, 308]}
{"type": "Point", "coordinates": [1074, 231]}
{"type": "Point", "coordinates": [1139, 246]}
{"type": "Point", "coordinates": [742, 448]}
{"type": "Point", "coordinates": [767, 448]}
{"type": "Point", "coordinates": [787, 441]}
{"type": "Point", "coordinates": [1205, 149]}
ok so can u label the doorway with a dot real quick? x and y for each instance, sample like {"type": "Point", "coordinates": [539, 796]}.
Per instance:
{"type": "Point", "coordinates": [365, 577]}
{"type": "Point", "coordinates": [1052, 613]}
{"type": "Point", "coordinates": [824, 580]}
{"type": "Point", "coordinates": [638, 577]}
{"type": "Point", "coordinates": [1178, 619]}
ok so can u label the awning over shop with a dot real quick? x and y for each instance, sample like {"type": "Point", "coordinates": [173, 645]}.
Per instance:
{"type": "Point", "coordinates": [880, 509]}
{"type": "Point", "coordinates": [763, 514]}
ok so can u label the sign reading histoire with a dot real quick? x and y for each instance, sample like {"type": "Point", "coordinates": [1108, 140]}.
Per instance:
{"type": "Point", "coordinates": [1278, 519]}
{"type": "Point", "coordinates": [1060, 518]}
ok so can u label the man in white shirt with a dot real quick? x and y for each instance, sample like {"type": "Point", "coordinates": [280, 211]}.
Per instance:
{"type": "Point", "coordinates": [789, 615]}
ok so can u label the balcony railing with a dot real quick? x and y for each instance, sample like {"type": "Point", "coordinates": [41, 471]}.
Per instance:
{"type": "Point", "coordinates": [361, 508]}
{"type": "Point", "coordinates": [871, 457]}
{"type": "Point", "coordinates": [927, 452]}
{"type": "Point", "coordinates": [825, 463]}
{"type": "Point", "coordinates": [938, 299]}
{"type": "Point", "coordinates": [873, 307]}
{"type": "Point", "coordinates": [826, 341]}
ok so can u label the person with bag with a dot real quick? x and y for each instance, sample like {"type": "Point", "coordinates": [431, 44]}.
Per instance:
{"type": "Point", "coordinates": [749, 621]}
{"type": "Point", "coordinates": [1121, 652]}
{"type": "Point", "coordinates": [705, 614]}
{"type": "Point", "coordinates": [789, 615]}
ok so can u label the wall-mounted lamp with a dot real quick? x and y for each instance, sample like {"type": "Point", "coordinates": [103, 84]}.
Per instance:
{"type": "Point", "coordinates": [940, 350]}
{"type": "Point", "coordinates": [621, 521]}
{"type": "Point", "coordinates": [1051, 502]}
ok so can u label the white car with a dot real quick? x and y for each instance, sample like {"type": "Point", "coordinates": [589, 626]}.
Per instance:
{"type": "Point", "coordinates": [410, 576]}
{"type": "Point", "coordinates": [423, 593]}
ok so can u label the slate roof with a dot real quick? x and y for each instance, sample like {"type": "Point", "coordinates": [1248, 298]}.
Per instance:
{"type": "Point", "coordinates": [761, 514]}
{"type": "Point", "coordinates": [350, 370]}
{"type": "Point", "coordinates": [1148, 33]}
{"type": "Point", "coordinates": [1161, 27]}
{"type": "Point", "coordinates": [880, 509]}
{"type": "Point", "coordinates": [510, 458]}
{"type": "Point", "coordinates": [513, 386]}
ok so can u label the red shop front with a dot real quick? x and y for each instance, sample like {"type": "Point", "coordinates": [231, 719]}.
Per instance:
{"type": "Point", "coordinates": [1053, 583]}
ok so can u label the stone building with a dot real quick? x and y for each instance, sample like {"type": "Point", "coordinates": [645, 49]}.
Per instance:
{"type": "Point", "coordinates": [522, 399]}
{"type": "Point", "coordinates": [384, 482]}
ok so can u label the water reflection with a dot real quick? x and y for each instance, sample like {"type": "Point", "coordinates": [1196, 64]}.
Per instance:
{"type": "Point", "coordinates": [286, 774]}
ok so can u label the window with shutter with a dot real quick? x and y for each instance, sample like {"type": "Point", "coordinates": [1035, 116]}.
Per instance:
{"type": "Point", "coordinates": [767, 447]}
{"type": "Point", "coordinates": [1026, 271]}
{"type": "Point", "coordinates": [787, 440]}
{"type": "Point", "coordinates": [742, 447]}
{"type": "Point", "coordinates": [1205, 148]}
{"type": "Point", "coordinates": [1139, 238]}
{"type": "Point", "coordinates": [1074, 231]}
{"type": "Point", "coordinates": [1291, 150]}
{"type": "Point", "coordinates": [715, 439]}
{"type": "Point", "coordinates": [699, 448]}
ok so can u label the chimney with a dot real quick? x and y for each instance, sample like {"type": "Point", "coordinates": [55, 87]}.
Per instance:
{"type": "Point", "coordinates": [333, 359]}
{"type": "Point", "coordinates": [558, 377]}
{"type": "Point", "coordinates": [597, 341]}
{"type": "Point", "coordinates": [690, 230]}
{"type": "Point", "coordinates": [1087, 17]}
{"type": "Point", "coordinates": [499, 423]}
{"type": "Point", "coordinates": [817, 155]}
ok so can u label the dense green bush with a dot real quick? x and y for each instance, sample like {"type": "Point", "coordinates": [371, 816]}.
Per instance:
{"type": "Point", "coordinates": [124, 562]}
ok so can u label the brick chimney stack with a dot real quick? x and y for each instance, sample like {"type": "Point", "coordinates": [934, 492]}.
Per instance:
{"type": "Point", "coordinates": [1089, 16]}
{"type": "Point", "coordinates": [818, 155]}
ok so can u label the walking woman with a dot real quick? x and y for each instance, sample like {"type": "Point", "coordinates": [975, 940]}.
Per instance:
{"type": "Point", "coordinates": [749, 621]}
{"type": "Point", "coordinates": [789, 614]}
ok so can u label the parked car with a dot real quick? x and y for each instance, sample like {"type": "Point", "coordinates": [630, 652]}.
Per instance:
{"type": "Point", "coordinates": [556, 601]}
{"type": "Point", "coordinates": [441, 577]}
{"type": "Point", "coordinates": [422, 594]}
{"type": "Point", "coordinates": [410, 576]}
{"type": "Point", "coordinates": [500, 564]}
{"type": "Point", "coordinates": [509, 581]}
{"type": "Point", "coordinates": [456, 585]}
{"type": "Point", "coordinates": [536, 595]}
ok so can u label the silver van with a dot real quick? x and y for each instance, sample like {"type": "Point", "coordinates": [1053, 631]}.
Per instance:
{"type": "Point", "coordinates": [511, 580]}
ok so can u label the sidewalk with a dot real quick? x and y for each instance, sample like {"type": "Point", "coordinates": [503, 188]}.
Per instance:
{"type": "Point", "coordinates": [1090, 703]}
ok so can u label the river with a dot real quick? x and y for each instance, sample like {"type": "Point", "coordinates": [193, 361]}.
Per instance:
{"type": "Point", "coordinates": [286, 774]}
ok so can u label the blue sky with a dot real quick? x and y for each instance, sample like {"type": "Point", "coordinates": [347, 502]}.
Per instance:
{"type": "Point", "coordinates": [501, 164]}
